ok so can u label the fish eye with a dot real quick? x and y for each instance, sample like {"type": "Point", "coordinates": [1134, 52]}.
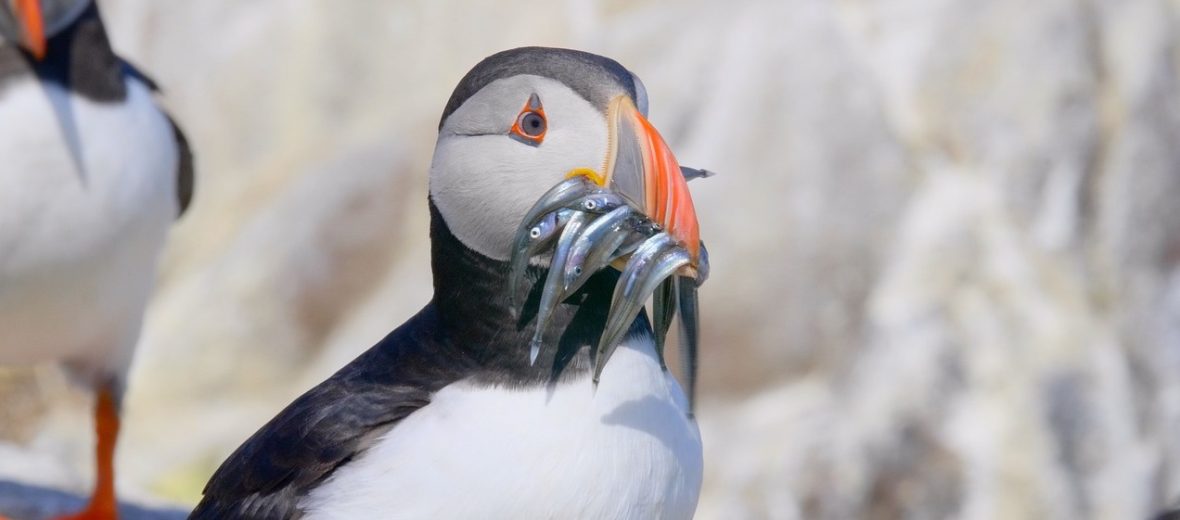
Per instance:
{"type": "Point", "coordinates": [535, 232]}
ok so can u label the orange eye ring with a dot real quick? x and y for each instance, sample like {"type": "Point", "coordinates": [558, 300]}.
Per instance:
{"type": "Point", "coordinates": [531, 124]}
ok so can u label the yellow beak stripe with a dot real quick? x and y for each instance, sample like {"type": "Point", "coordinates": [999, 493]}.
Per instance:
{"type": "Point", "coordinates": [589, 174]}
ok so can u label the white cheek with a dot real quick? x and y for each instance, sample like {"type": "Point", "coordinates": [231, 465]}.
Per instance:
{"type": "Point", "coordinates": [477, 190]}
{"type": "Point", "coordinates": [483, 185]}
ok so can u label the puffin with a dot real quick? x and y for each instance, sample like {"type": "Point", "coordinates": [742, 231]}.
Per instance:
{"type": "Point", "coordinates": [92, 175]}
{"type": "Point", "coordinates": [451, 415]}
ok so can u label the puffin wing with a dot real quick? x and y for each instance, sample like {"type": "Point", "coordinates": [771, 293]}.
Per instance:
{"type": "Point", "coordinates": [326, 427]}
{"type": "Point", "coordinates": [184, 170]}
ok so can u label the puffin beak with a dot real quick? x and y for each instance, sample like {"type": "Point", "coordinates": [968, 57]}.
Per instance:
{"type": "Point", "coordinates": [591, 215]}
{"type": "Point", "coordinates": [641, 168]}
{"type": "Point", "coordinates": [32, 25]}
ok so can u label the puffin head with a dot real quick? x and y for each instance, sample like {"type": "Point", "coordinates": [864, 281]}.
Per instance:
{"type": "Point", "coordinates": [523, 120]}
{"type": "Point", "coordinates": [30, 23]}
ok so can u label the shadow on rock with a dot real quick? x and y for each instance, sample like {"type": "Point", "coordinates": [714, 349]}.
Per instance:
{"type": "Point", "coordinates": [26, 502]}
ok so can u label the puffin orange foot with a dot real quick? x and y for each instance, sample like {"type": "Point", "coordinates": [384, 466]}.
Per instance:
{"type": "Point", "coordinates": [103, 505]}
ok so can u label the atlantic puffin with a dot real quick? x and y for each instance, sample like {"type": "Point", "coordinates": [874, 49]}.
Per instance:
{"type": "Point", "coordinates": [92, 175]}
{"type": "Point", "coordinates": [451, 415]}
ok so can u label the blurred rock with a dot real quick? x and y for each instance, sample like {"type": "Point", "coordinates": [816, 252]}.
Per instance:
{"type": "Point", "coordinates": [22, 502]}
{"type": "Point", "coordinates": [945, 237]}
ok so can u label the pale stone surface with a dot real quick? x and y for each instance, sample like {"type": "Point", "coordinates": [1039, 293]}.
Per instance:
{"type": "Point", "coordinates": [945, 237]}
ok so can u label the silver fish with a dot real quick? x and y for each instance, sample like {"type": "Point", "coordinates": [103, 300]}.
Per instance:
{"type": "Point", "coordinates": [696, 173]}
{"type": "Point", "coordinates": [561, 195]}
{"type": "Point", "coordinates": [702, 265]}
{"type": "Point", "coordinates": [600, 201]}
{"type": "Point", "coordinates": [689, 335]}
{"type": "Point", "coordinates": [537, 237]}
{"type": "Point", "coordinates": [551, 292]}
{"type": "Point", "coordinates": [605, 233]}
{"type": "Point", "coordinates": [655, 260]}
{"type": "Point", "coordinates": [663, 310]}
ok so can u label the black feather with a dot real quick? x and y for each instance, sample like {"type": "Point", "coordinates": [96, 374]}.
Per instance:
{"type": "Point", "coordinates": [326, 427]}
{"type": "Point", "coordinates": [595, 78]}
{"type": "Point", "coordinates": [78, 58]}
{"type": "Point", "coordinates": [466, 332]}
{"type": "Point", "coordinates": [185, 179]}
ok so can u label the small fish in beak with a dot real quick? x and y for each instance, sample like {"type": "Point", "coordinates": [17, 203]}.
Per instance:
{"type": "Point", "coordinates": [638, 216]}
{"type": "Point", "coordinates": [596, 247]}
{"type": "Point", "coordinates": [553, 291]}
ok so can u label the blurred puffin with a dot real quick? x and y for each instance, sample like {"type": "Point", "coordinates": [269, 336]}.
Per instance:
{"type": "Point", "coordinates": [447, 416]}
{"type": "Point", "coordinates": [92, 174]}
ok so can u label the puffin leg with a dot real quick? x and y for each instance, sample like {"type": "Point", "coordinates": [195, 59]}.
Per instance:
{"type": "Point", "coordinates": [103, 505]}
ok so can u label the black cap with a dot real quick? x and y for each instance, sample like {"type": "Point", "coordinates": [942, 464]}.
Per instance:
{"type": "Point", "coordinates": [594, 77]}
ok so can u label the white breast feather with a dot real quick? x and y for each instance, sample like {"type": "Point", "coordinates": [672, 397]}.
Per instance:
{"type": "Point", "coordinates": [627, 451]}
{"type": "Point", "coordinates": [87, 193]}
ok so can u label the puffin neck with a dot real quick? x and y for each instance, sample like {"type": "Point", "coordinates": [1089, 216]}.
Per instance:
{"type": "Point", "coordinates": [474, 314]}
{"type": "Point", "coordinates": [78, 58]}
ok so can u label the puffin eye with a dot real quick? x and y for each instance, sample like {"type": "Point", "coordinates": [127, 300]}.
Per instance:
{"type": "Point", "coordinates": [530, 125]}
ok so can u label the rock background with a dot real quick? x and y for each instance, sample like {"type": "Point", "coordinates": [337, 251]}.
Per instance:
{"type": "Point", "coordinates": [945, 238]}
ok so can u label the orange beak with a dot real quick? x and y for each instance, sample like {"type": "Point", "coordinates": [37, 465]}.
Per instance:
{"type": "Point", "coordinates": [32, 25]}
{"type": "Point", "coordinates": [642, 169]}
